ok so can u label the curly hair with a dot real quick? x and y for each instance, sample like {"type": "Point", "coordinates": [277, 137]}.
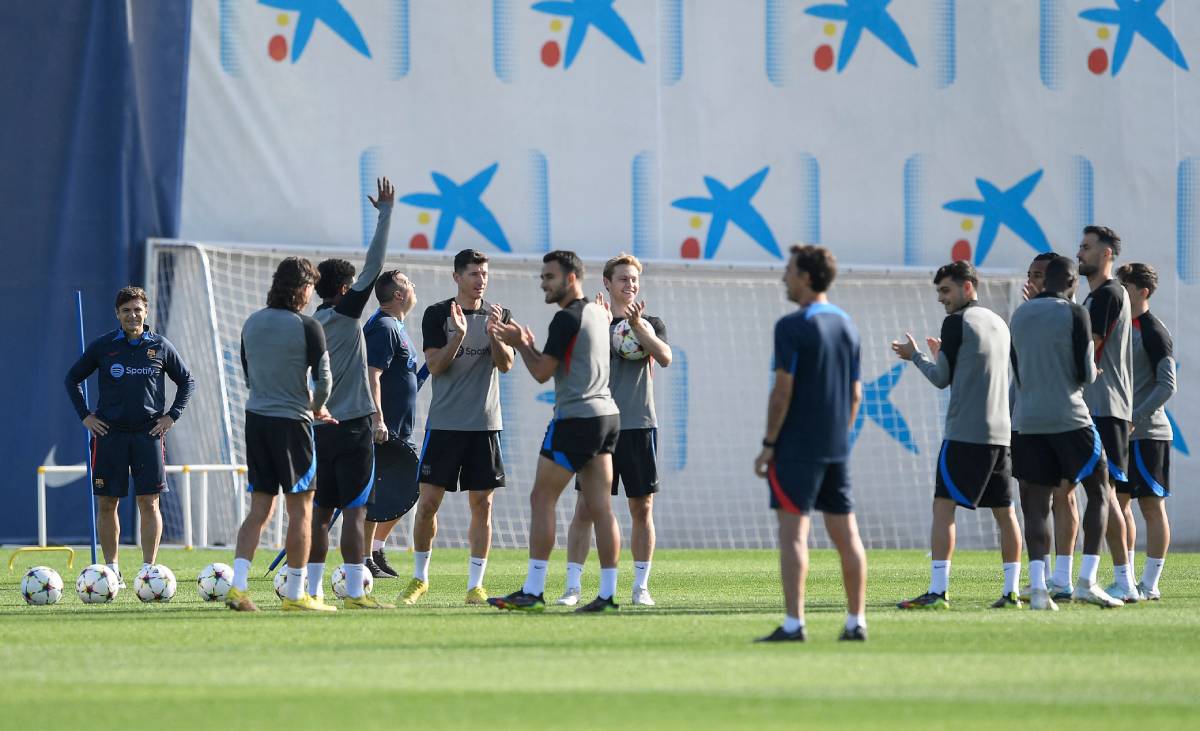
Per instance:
{"type": "Point", "coordinates": [289, 281]}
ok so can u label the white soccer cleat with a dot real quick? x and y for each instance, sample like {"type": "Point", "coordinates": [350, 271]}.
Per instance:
{"type": "Point", "coordinates": [1095, 595]}
{"type": "Point", "coordinates": [642, 598]}
{"type": "Point", "coordinates": [1060, 592]}
{"type": "Point", "coordinates": [1116, 591]}
{"type": "Point", "coordinates": [569, 598]}
{"type": "Point", "coordinates": [1039, 600]}
{"type": "Point", "coordinates": [1148, 594]}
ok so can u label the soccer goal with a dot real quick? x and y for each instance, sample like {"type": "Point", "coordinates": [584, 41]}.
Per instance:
{"type": "Point", "coordinates": [711, 401]}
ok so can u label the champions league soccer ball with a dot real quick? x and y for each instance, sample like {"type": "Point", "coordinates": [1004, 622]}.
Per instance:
{"type": "Point", "coordinates": [281, 582]}
{"type": "Point", "coordinates": [214, 582]}
{"type": "Point", "coordinates": [97, 584]}
{"type": "Point", "coordinates": [41, 585]}
{"type": "Point", "coordinates": [154, 583]}
{"type": "Point", "coordinates": [625, 343]}
{"type": "Point", "coordinates": [338, 580]}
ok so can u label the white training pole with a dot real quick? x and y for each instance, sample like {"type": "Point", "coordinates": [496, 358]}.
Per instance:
{"type": "Point", "coordinates": [204, 509]}
{"type": "Point", "coordinates": [187, 507]}
{"type": "Point", "coordinates": [41, 502]}
{"type": "Point", "coordinates": [279, 511]}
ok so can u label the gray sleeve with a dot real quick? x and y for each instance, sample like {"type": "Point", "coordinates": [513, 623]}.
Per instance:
{"type": "Point", "coordinates": [937, 373]}
{"type": "Point", "coordinates": [1164, 388]}
{"type": "Point", "coordinates": [322, 382]}
{"type": "Point", "coordinates": [375, 254]}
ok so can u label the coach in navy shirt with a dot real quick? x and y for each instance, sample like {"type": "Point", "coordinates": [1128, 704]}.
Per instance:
{"type": "Point", "coordinates": [806, 451]}
{"type": "Point", "coordinates": [130, 418]}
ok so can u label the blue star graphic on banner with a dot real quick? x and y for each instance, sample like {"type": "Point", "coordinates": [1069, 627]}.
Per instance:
{"type": "Point", "coordinates": [1178, 442]}
{"type": "Point", "coordinates": [878, 407]}
{"type": "Point", "coordinates": [329, 12]}
{"type": "Point", "coordinates": [1002, 208]}
{"type": "Point", "coordinates": [585, 14]}
{"type": "Point", "coordinates": [455, 201]}
{"type": "Point", "coordinates": [868, 15]}
{"type": "Point", "coordinates": [734, 205]}
{"type": "Point", "coordinates": [1137, 18]}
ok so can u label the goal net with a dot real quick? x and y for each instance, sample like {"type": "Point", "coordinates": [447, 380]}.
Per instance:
{"type": "Point", "coordinates": [711, 401]}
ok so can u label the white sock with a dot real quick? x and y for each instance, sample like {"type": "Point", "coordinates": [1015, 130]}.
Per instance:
{"type": "Point", "coordinates": [535, 580]}
{"type": "Point", "coordinates": [1037, 575]}
{"type": "Point", "coordinates": [1012, 577]}
{"type": "Point", "coordinates": [1131, 584]}
{"type": "Point", "coordinates": [1088, 568]}
{"type": "Point", "coordinates": [856, 620]}
{"type": "Point", "coordinates": [1151, 571]}
{"type": "Point", "coordinates": [641, 574]}
{"type": "Point", "coordinates": [316, 575]}
{"type": "Point", "coordinates": [939, 577]}
{"type": "Point", "coordinates": [475, 569]}
{"type": "Point", "coordinates": [1131, 562]}
{"type": "Point", "coordinates": [421, 565]}
{"type": "Point", "coordinates": [1123, 577]}
{"type": "Point", "coordinates": [1062, 569]}
{"type": "Point", "coordinates": [1047, 558]}
{"type": "Point", "coordinates": [792, 624]}
{"type": "Point", "coordinates": [241, 573]}
{"type": "Point", "coordinates": [115, 568]}
{"type": "Point", "coordinates": [575, 576]}
{"type": "Point", "coordinates": [295, 583]}
{"type": "Point", "coordinates": [376, 545]}
{"type": "Point", "coordinates": [608, 583]}
{"type": "Point", "coordinates": [354, 579]}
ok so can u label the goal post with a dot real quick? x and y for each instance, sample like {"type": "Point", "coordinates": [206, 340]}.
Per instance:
{"type": "Point", "coordinates": [711, 401]}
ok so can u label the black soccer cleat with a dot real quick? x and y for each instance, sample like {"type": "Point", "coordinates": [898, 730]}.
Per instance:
{"type": "Point", "coordinates": [858, 634]}
{"type": "Point", "coordinates": [780, 635]}
{"type": "Point", "coordinates": [519, 601]}
{"type": "Point", "coordinates": [381, 562]}
{"type": "Point", "coordinates": [598, 606]}
{"type": "Point", "coordinates": [374, 569]}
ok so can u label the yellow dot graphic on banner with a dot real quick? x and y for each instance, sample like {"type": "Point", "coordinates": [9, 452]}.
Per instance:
{"type": "Point", "coordinates": [556, 25]}
{"type": "Point", "coordinates": [1102, 33]}
{"type": "Point", "coordinates": [422, 218]}
{"type": "Point", "coordinates": [282, 19]}
{"type": "Point", "coordinates": [830, 29]}
{"type": "Point", "coordinates": [695, 222]}
{"type": "Point", "coordinates": [967, 224]}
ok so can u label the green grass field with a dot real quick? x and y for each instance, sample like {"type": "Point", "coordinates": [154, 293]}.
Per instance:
{"type": "Point", "coordinates": [687, 663]}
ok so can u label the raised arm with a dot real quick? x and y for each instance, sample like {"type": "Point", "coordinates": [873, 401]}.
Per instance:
{"type": "Point", "coordinates": [354, 302]}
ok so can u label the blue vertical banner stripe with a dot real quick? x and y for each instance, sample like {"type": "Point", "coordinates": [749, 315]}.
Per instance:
{"type": "Point", "coordinates": [1050, 14]}
{"type": "Point", "coordinates": [399, 64]}
{"type": "Point", "coordinates": [502, 40]}
{"type": "Point", "coordinates": [914, 202]}
{"type": "Point", "coordinates": [644, 192]}
{"type": "Point", "coordinates": [679, 408]}
{"type": "Point", "coordinates": [774, 43]}
{"type": "Point", "coordinates": [229, 24]}
{"type": "Point", "coordinates": [671, 41]}
{"type": "Point", "coordinates": [1084, 184]}
{"type": "Point", "coordinates": [368, 170]}
{"type": "Point", "coordinates": [809, 204]}
{"type": "Point", "coordinates": [539, 203]}
{"type": "Point", "coordinates": [1186, 231]}
{"type": "Point", "coordinates": [946, 45]}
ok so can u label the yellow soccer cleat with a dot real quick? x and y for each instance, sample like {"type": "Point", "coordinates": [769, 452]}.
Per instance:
{"type": "Point", "coordinates": [414, 591]}
{"type": "Point", "coordinates": [239, 601]}
{"type": "Point", "coordinates": [307, 603]}
{"type": "Point", "coordinates": [477, 595]}
{"type": "Point", "coordinates": [366, 601]}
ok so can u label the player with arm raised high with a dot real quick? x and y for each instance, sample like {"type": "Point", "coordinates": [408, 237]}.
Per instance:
{"type": "Point", "coordinates": [130, 421]}
{"type": "Point", "coordinates": [462, 431]}
{"type": "Point", "coordinates": [1110, 397]}
{"type": "Point", "coordinates": [806, 451]}
{"type": "Point", "coordinates": [280, 348]}
{"type": "Point", "coordinates": [635, 462]}
{"type": "Point", "coordinates": [973, 468]}
{"type": "Point", "coordinates": [1056, 443]}
{"type": "Point", "coordinates": [1153, 385]}
{"type": "Point", "coordinates": [581, 437]}
{"type": "Point", "coordinates": [346, 449]}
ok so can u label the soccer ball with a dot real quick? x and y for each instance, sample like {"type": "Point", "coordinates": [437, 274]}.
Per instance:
{"type": "Point", "coordinates": [154, 583]}
{"type": "Point", "coordinates": [281, 583]}
{"type": "Point", "coordinates": [338, 580]}
{"type": "Point", "coordinates": [214, 582]}
{"type": "Point", "coordinates": [97, 584]}
{"type": "Point", "coordinates": [41, 585]}
{"type": "Point", "coordinates": [625, 342]}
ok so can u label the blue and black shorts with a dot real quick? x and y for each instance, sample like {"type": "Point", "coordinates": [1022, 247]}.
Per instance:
{"type": "Point", "coordinates": [974, 475]}
{"type": "Point", "coordinates": [279, 454]}
{"type": "Point", "coordinates": [120, 454]}
{"type": "Point", "coordinates": [572, 443]}
{"type": "Point", "coordinates": [1150, 469]}
{"type": "Point", "coordinates": [345, 463]}
{"type": "Point", "coordinates": [800, 487]}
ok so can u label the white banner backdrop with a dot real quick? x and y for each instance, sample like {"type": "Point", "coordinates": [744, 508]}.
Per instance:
{"type": "Point", "coordinates": [721, 129]}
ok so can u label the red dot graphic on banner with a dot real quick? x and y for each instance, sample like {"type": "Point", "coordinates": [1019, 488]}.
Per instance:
{"type": "Point", "coordinates": [277, 48]}
{"type": "Point", "coordinates": [1098, 61]}
{"type": "Point", "coordinates": [690, 248]}
{"type": "Point", "coordinates": [961, 251]}
{"type": "Point", "coordinates": [823, 57]}
{"type": "Point", "coordinates": [418, 241]}
{"type": "Point", "coordinates": [551, 53]}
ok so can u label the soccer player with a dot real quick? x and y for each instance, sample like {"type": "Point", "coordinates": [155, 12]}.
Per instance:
{"type": "Point", "coordinates": [462, 432]}
{"type": "Point", "coordinates": [583, 434]}
{"type": "Point", "coordinates": [280, 348]}
{"type": "Point", "coordinates": [392, 368]}
{"type": "Point", "coordinates": [974, 468]}
{"type": "Point", "coordinates": [1056, 442]}
{"type": "Point", "coordinates": [806, 450]}
{"type": "Point", "coordinates": [1153, 384]}
{"type": "Point", "coordinates": [129, 422]}
{"type": "Point", "coordinates": [346, 449]}
{"type": "Point", "coordinates": [635, 462]}
{"type": "Point", "coordinates": [1110, 398]}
